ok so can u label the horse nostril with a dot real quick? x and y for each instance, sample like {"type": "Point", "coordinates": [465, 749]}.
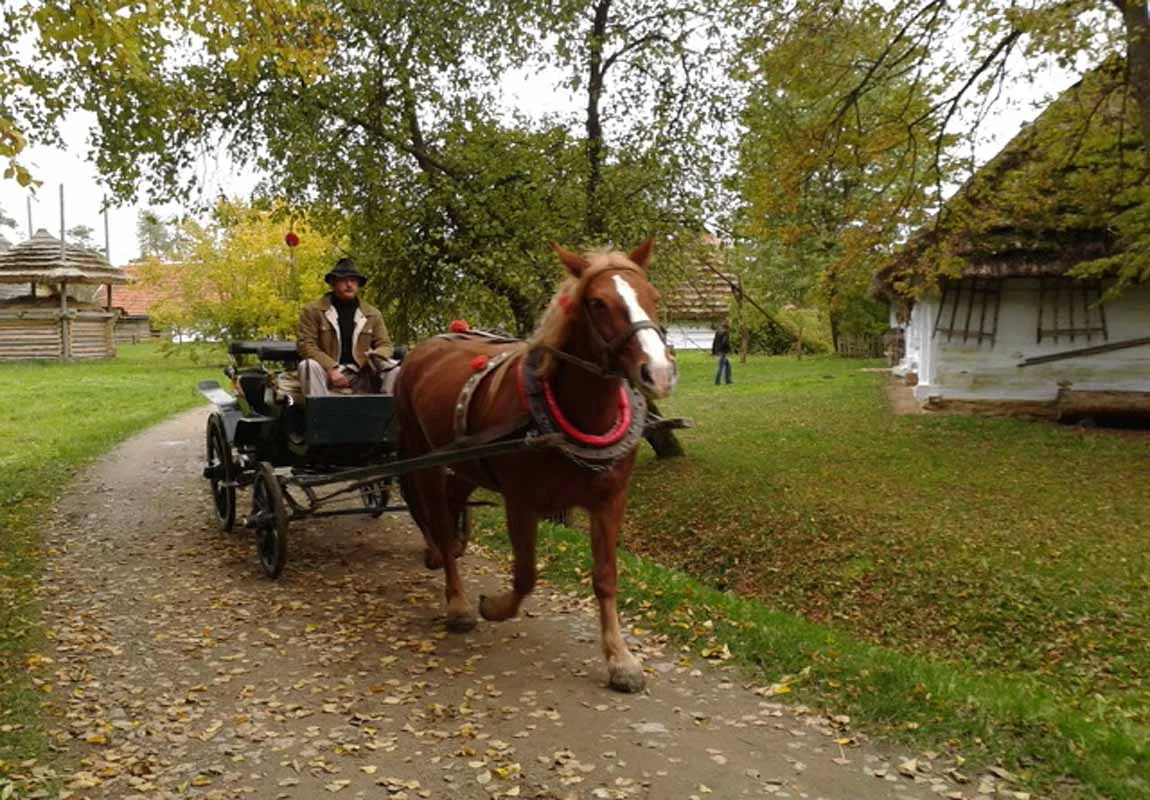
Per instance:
{"type": "Point", "coordinates": [645, 375]}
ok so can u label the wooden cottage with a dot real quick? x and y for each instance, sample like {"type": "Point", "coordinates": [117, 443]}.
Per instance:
{"type": "Point", "coordinates": [1027, 294]}
{"type": "Point", "coordinates": [46, 319]}
{"type": "Point", "coordinates": [700, 300]}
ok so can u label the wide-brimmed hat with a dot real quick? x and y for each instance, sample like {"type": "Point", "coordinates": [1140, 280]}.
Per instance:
{"type": "Point", "coordinates": [345, 268]}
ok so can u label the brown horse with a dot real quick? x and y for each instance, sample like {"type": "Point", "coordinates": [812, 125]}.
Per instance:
{"type": "Point", "coordinates": [599, 332]}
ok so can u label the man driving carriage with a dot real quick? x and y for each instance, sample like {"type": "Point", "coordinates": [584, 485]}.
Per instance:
{"type": "Point", "coordinates": [342, 339]}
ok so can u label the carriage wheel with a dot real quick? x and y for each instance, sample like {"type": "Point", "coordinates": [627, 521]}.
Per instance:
{"type": "Point", "coordinates": [271, 518]}
{"type": "Point", "coordinates": [374, 496]}
{"type": "Point", "coordinates": [220, 472]}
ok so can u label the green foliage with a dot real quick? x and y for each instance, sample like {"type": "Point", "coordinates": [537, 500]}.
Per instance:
{"type": "Point", "coordinates": [155, 236]}
{"type": "Point", "coordinates": [5, 220]}
{"type": "Point", "coordinates": [53, 418]}
{"type": "Point", "coordinates": [237, 278]}
{"type": "Point", "coordinates": [381, 119]}
{"type": "Point", "coordinates": [823, 187]}
{"type": "Point", "coordinates": [81, 235]}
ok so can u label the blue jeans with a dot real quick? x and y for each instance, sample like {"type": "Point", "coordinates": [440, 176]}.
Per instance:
{"type": "Point", "coordinates": [724, 366]}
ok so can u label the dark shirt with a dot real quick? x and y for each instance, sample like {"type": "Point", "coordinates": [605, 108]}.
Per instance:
{"type": "Point", "coordinates": [722, 344]}
{"type": "Point", "coordinates": [346, 312]}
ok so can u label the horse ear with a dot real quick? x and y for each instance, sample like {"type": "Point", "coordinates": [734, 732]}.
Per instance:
{"type": "Point", "coordinates": [575, 264]}
{"type": "Point", "coordinates": [642, 254]}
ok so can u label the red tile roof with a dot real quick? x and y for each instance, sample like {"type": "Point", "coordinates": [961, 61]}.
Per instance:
{"type": "Point", "coordinates": [135, 298]}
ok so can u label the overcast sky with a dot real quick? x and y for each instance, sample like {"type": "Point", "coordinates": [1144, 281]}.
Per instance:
{"type": "Point", "coordinates": [84, 193]}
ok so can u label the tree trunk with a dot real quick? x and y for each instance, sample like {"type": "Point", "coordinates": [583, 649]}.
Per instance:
{"type": "Point", "coordinates": [595, 224]}
{"type": "Point", "coordinates": [1137, 22]}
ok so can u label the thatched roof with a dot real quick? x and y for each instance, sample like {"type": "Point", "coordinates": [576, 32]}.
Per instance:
{"type": "Point", "coordinates": [702, 291]}
{"type": "Point", "coordinates": [1054, 199]}
{"type": "Point", "coordinates": [701, 296]}
{"type": "Point", "coordinates": [40, 260]}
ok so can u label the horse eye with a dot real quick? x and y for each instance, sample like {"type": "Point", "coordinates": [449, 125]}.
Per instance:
{"type": "Point", "coordinates": [596, 304]}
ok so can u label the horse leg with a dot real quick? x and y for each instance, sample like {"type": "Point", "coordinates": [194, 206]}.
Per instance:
{"type": "Point", "coordinates": [432, 489]}
{"type": "Point", "coordinates": [418, 510]}
{"type": "Point", "coordinates": [521, 527]}
{"type": "Point", "coordinates": [624, 672]}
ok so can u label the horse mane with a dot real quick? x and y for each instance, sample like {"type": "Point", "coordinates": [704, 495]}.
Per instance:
{"type": "Point", "coordinates": [554, 327]}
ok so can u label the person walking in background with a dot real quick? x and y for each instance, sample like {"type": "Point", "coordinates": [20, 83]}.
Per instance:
{"type": "Point", "coordinates": [721, 347]}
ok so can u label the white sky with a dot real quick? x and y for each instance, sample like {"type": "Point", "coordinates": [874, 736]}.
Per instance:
{"type": "Point", "coordinates": [531, 94]}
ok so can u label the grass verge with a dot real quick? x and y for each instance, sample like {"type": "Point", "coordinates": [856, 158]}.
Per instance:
{"type": "Point", "coordinates": [54, 418]}
{"type": "Point", "coordinates": [963, 583]}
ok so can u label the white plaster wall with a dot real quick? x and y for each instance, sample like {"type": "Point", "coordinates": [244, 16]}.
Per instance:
{"type": "Point", "coordinates": [966, 371]}
{"type": "Point", "coordinates": [690, 337]}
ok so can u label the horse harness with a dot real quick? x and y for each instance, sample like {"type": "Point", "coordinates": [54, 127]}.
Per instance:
{"type": "Point", "coordinates": [542, 415]}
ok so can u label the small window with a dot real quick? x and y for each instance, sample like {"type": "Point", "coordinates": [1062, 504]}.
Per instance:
{"type": "Point", "coordinates": [969, 310]}
{"type": "Point", "coordinates": [1070, 310]}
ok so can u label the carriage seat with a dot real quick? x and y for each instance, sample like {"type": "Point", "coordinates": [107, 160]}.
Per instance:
{"type": "Point", "coordinates": [284, 352]}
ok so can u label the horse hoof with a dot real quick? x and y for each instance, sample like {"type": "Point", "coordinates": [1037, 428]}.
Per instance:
{"type": "Point", "coordinates": [483, 612]}
{"type": "Point", "coordinates": [431, 558]}
{"type": "Point", "coordinates": [461, 624]}
{"type": "Point", "coordinates": [625, 679]}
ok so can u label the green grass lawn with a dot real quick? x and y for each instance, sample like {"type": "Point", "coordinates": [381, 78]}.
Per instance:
{"type": "Point", "coordinates": [975, 584]}
{"type": "Point", "coordinates": [1002, 544]}
{"type": "Point", "coordinates": [53, 418]}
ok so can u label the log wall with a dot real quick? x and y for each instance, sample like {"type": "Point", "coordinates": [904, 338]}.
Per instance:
{"type": "Point", "coordinates": [37, 333]}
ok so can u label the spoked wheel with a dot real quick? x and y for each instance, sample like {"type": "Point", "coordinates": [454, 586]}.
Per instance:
{"type": "Point", "coordinates": [374, 497]}
{"type": "Point", "coordinates": [270, 520]}
{"type": "Point", "coordinates": [220, 472]}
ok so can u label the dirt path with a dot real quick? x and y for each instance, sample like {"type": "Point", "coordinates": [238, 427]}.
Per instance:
{"type": "Point", "coordinates": [180, 672]}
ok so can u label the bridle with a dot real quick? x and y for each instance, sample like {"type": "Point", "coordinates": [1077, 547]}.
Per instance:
{"type": "Point", "coordinates": [606, 364]}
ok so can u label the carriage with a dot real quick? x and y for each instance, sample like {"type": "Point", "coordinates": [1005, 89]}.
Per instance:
{"type": "Point", "coordinates": [549, 424]}
{"type": "Point", "coordinates": [309, 458]}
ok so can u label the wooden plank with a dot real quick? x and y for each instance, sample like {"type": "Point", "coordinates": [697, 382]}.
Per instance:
{"type": "Point", "coordinates": [1085, 351]}
{"type": "Point", "coordinates": [1104, 402]}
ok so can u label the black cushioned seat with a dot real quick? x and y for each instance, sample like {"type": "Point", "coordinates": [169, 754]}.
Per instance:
{"type": "Point", "coordinates": [267, 351]}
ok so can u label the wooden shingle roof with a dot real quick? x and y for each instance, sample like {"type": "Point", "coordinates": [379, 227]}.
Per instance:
{"type": "Point", "coordinates": [41, 260]}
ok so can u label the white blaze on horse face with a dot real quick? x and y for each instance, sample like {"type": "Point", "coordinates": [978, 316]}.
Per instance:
{"type": "Point", "coordinates": [661, 370]}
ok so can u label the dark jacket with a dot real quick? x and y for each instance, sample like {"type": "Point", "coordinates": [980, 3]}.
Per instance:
{"type": "Point", "coordinates": [722, 344]}
{"type": "Point", "coordinates": [319, 336]}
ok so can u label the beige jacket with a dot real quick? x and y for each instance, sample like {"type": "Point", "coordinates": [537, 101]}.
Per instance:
{"type": "Point", "coordinates": [319, 334]}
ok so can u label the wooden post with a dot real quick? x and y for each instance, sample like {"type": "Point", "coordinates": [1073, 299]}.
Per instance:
{"type": "Point", "coordinates": [107, 246]}
{"type": "Point", "coordinates": [33, 287]}
{"type": "Point", "coordinates": [65, 323]}
{"type": "Point", "coordinates": [109, 288]}
{"type": "Point", "coordinates": [29, 216]}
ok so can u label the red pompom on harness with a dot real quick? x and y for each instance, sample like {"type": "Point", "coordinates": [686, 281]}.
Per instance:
{"type": "Point", "coordinates": [479, 363]}
{"type": "Point", "coordinates": [459, 326]}
{"type": "Point", "coordinates": [565, 304]}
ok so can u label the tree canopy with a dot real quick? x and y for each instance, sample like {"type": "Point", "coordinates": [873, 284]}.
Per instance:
{"type": "Point", "coordinates": [384, 117]}
{"type": "Point", "coordinates": [237, 279]}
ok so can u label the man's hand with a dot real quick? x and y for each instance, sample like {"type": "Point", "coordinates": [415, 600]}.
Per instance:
{"type": "Point", "coordinates": [337, 379]}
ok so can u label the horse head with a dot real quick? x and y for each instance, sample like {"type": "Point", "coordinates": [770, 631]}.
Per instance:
{"type": "Point", "coordinates": [608, 310]}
